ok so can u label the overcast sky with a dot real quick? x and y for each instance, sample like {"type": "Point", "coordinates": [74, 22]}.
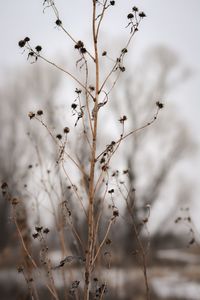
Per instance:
{"type": "Point", "coordinates": [172, 23]}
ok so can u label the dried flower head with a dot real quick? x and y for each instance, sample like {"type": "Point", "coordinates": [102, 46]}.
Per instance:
{"type": "Point", "coordinates": [27, 39]}
{"type": "Point", "coordinates": [38, 228]}
{"type": "Point", "coordinates": [125, 172]}
{"type": "Point", "coordinates": [79, 45]}
{"type": "Point", "coordinates": [74, 106]}
{"type": "Point", "coordinates": [102, 160]}
{"type": "Point", "coordinates": [122, 69]}
{"type": "Point", "coordinates": [35, 235]}
{"type": "Point", "coordinates": [142, 14]}
{"type": "Point", "coordinates": [177, 220]}
{"type": "Point", "coordinates": [31, 53]}
{"type": "Point", "coordinates": [192, 241]}
{"type": "Point", "coordinates": [104, 167]}
{"type": "Point", "coordinates": [108, 241]}
{"type": "Point", "coordinates": [123, 119]}
{"type": "Point", "coordinates": [92, 88]}
{"type": "Point", "coordinates": [21, 43]}
{"type": "Point", "coordinates": [59, 136]}
{"type": "Point", "coordinates": [115, 213]}
{"type": "Point", "coordinates": [4, 185]}
{"type": "Point", "coordinates": [159, 104]}
{"type": "Point", "coordinates": [39, 112]}
{"type": "Point", "coordinates": [38, 48]}
{"type": "Point", "coordinates": [135, 8]}
{"type": "Point", "coordinates": [15, 201]}
{"type": "Point", "coordinates": [31, 115]}
{"type": "Point", "coordinates": [124, 50]}
{"type": "Point", "coordinates": [78, 91]}
{"type": "Point", "coordinates": [58, 22]}
{"type": "Point", "coordinates": [130, 16]}
{"type": "Point", "coordinates": [66, 130]}
{"type": "Point", "coordinates": [20, 269]}
{"type": "Point", "coordinates": [46, 230]}
{"type": "Point", "coordinates": [83, 50]}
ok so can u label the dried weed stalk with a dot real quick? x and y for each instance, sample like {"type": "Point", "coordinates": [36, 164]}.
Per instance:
{"type": "Point", "coordinates": [90, 100]}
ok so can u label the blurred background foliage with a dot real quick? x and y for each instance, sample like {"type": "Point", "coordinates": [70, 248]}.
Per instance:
{"type": "Point", "coordinates": [153, 172]}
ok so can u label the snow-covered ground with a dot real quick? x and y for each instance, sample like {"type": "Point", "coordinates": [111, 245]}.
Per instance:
{"type": "Point", "coordinates": [175, 286]}
{"type": "Point", "coordinates": [167, 281]}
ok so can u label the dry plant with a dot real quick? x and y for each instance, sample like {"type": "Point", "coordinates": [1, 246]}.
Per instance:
{"type": "Point", "coordinates": [89, 189]}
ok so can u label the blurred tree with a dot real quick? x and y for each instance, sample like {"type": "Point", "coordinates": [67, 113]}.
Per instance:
{"type": "Point", "coordinates": [152, 155]}
{"type": "Point", "coordinates": [154, 152]}
{"type": "Point", "coordinates": [18, 95]}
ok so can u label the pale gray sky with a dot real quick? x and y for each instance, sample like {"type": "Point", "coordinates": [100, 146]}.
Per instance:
{"type": "Point", "coordinates": [174, 23]}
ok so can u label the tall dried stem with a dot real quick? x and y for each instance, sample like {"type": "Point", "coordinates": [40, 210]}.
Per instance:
{"type": "Point", "coordinates": [90, 242]}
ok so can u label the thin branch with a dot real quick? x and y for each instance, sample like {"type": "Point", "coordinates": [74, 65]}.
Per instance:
{"type": "Point", "coordinates": [131, 132]}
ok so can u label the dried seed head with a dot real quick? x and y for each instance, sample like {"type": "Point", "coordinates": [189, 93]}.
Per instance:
{"type": "Point", "coordinates": [83, 50]}
{"type": "Point", "coordinates": [112, 3]}
{"type": "Point", "coordinates": [92, 88]}
{"type": "Point", "coordinates": [46, 230]}
{"type": "Point", "coordinates": [38, 228]}
{"type": "Point", "coordinates": [31, 53]}
{"type": "Point", "coordinates": [124, 50]}
{"type": "Point", "coordinates": [159, 104]}
{"type": "Point", "coordinates": [125, 172]}
{"type": "Point", "coordinates": [20, 269]}
{"type": "Point", "coordinates": [4, 185]}
{"type": "Point", "coordinates": [142, 14]}
{"type": "Point", "coordinates": [115, 213]}
{"type": "Point", "coordinates": [192, 241]}
{"type": "Point", "coordinates": [104, 167]}
{"type": "Point", "coordinates": [108, 241]}
{"type": "Point", "coordinates": [135, 8]}
{"type": "Point", "coordinates": [35, 235]}
{"type": "Point", "coordinates": [39, 112]}
{"type": "Point", "coordinates": [59, 136]}
{"type": "Point", "coordinates": [66, 130]}
{"type": "Point", "coordinates": [58, 22]}
{"type": "Point", "coordinates": [74, 106]}
{"type": "Point", "coordinates": [102, 160]}
{"type": "Point", "coordinates": [124, 118]}
{"type": "Point", "coordinates": [177, 220]}
{"type": "Point", "coordinates": [130, 16]}
{"type": "Point", "coordinates": [78, 91]}
{"type": "Point", "coordinates": [15, 201]}
{"type": "Point", "coordinates": [38, 48]}
{"type": "Point", "coordinates": [27, 39]}
{"type": "Point", "coordinates": [21, 43]}
{"type": "Point", "coordinates": [122, 69]}
{"type": "Point", "coordinates": [104, 53]}
{"type": "Point", "coordinates": [31, 115]}
{"type": "Point", "coordinates": [79, 45]}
